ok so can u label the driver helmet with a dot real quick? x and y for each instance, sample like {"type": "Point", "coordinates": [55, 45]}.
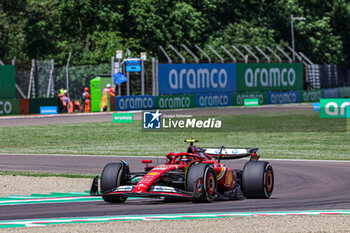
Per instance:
{"type": "Point", "coordinates": [185, 159]}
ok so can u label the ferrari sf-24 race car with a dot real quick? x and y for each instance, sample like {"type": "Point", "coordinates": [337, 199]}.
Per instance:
{"type": "Point", "coordinates": [197, 175]}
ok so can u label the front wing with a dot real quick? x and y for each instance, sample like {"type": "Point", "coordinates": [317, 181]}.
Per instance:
{"type": "Point", "coordinates": [153, 191]}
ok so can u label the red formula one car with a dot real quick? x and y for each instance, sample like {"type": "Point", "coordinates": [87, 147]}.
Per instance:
{"type": "Point", "coordinates": [197, 175]}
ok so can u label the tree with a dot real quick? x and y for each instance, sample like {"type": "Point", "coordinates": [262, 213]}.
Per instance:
{"type": "Point", "coordinates": [340, 22]}
{"type": "Point", "coordinates": [318, 41]}
{"type": "Point", "coordinates": [93, 29]}
{"type": "Point", "coordinates": [167, 22]}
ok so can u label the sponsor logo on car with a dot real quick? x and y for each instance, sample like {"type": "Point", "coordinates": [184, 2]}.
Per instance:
{"type": "Point", "coordinates": [158, 189]}
{"type": "Point", "coordinates": [234, 151]}
{"type": "Point", "coordinates": [162, 189]}
{"type": "Point", "coordinates": [153, 173]}
{"type": "Point", "coordinates": [229, 178]}
{"type": "Point", "coordinates": [124, 189]}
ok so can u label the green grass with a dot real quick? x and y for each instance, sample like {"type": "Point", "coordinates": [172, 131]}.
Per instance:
{"type": "Point", "coordinates": [44, 174]}
{"type": "Point", "coordinates": [106, 138]}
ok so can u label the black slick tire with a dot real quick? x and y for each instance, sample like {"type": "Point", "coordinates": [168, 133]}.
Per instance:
{"type": "Point", "coordinates": [201, 179]}
{"type": "Point", "coordinates": [257, 179]}
{"type": "Point", "coordinates": [111, 177]}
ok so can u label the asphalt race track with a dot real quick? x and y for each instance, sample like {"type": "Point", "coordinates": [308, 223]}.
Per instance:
{"type": "Point", "coordinates": [9, 121]}
{"type": "Point", "coordinates": [299, 185]}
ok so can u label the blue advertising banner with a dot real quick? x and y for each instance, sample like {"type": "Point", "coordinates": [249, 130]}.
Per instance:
{"type": "Point", "coordinates": [330, 93]}
{"type": "Point", "coordinates": [196, 78]}
{"type": "Point", "coordinates": [48, 110]}
{"type": "Point", "coordinates": [286, 97]}
{"type": "Point", "coordinates": [316, 107]}
{"type": "Point", "coordinates": [213, 100]}
{"type": "Point", "coordinates": [136, 102]}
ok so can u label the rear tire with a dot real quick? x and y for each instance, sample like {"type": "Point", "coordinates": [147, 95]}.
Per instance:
{"type": "Point", "coordinates": [112, 177]}
{"type": "Point", "coordinates": [201, 179]}
{"type": "Point", "coordinates": [257, 179]}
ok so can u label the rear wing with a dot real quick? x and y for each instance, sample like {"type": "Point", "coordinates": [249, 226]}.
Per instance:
{"type": "Point", "coordinates": [232, 153]}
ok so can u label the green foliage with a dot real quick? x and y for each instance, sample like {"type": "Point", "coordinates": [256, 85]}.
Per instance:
{"type": "Point", "coordinates": [245, 33]}
{"type": "Point", "coordinates": [93, 30]}
{"type": "Point", "coordinates": [340, 23]}
{"type": "Point", "coordinates": [320, 41]}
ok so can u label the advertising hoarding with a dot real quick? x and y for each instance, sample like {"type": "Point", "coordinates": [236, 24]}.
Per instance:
{"type": "Point", "coordinates": [7, 82]}
{"type": "Point", "coordinates": [196, 78]}
{"type": "Point", "coordinates": [175, 101]}
{"type": "Point", "coordinates": [213, 100]}
{"type": "Point", "coordinates": [136, 102]}
{"type": "Point", "coordinates": [269, 77]}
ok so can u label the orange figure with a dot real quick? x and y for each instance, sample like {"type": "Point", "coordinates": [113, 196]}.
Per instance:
{"type": "Point", "coordinates": [111, 91]}
{"type": "Point", "coordinates": [77, 106]}
{"type": "Point", "coordinates": [65, 101]}
{"type": "Point", "coordinates": [74, 106]}
{"type": "Point", "coordinates": [87, 100]}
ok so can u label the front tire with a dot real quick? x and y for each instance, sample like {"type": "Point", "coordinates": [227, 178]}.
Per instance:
{"type": "Point", "coordinates": [112, 177]}
{"type": "Point", "coordinates": [257, 179]}
{"type": "Point", "coordinates": [201, 179]}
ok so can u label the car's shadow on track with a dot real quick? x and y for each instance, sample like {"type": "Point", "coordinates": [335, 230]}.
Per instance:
{"type": "Point", "coordinates": [147, 202]}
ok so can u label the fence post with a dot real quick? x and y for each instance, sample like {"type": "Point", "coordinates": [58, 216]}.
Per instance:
{"type": "Point", "coordinates": [251, 53]}
{"type": "Point", "coordinates": [264, 54]}
{"type": "Point", "coordinates": [191, 53]}
{"type": "Point", "coordinates": [178, 53]}
{"type": "Point", "coordinates": [240, 53]}
{"type": "Point", "coordinates": [142, 78]}
{"type": "Point", "coordinates": [228, 53]}
{"type": "Point", "coordinates": [14, 61]}
{"type": "Point", "coordinates": [165, 53]}
{"type": "Point", "coordinates": [285, 54]}
{"type": "Point", "coordinates": [206, 55]}
{"type": "Point", "coordinates": [50, 87]}
{"type": "Point", "coordinates": [31, 79]}
{"type": "Point", "coordinates": [273, 53]}
{"type": "Point", "coordinates": [112, 70]}
{"type": "Point", "coordinates": [157, 77]}
{"type": "Point", "coordinates": [53, 78]}
{"type": "Point", "coordinates": [20, 91]}
{"type": "Point", "coordinates": [153, 76]}
{"type": "Point", "coordinates": [216, 53]}
{"type": "Point", "coordinates": [128, 83]}
{"type": "Point", "coordinates": [67, 75]}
